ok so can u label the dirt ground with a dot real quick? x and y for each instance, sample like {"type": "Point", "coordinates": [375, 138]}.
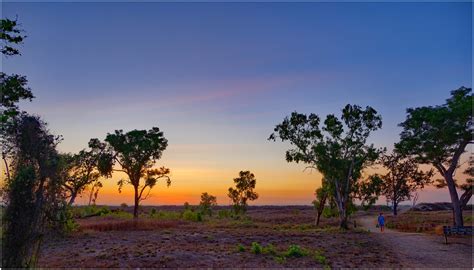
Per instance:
{"type": "Point", "coordinates": [423, 250]}
{"type": "Point", "coordinates": [214, 243]}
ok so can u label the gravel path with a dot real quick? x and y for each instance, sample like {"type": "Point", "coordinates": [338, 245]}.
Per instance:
{"type": "Point", "coordinates": [422, 250]}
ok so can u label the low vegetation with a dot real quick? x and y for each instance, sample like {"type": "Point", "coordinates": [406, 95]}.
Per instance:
{"type": "Point", "coordinates": [426, 222]}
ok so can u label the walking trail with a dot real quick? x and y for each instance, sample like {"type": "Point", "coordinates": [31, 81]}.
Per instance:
{"type": "Point", "coordinates": [422, 250]}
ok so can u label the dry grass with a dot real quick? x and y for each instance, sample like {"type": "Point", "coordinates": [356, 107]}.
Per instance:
{"type": "Point", "coordinates": [113, 224]}
{"type": "Point", "coordinates": [426, 222]}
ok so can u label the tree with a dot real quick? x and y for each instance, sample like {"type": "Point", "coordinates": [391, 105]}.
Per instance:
{"type": "Point", "coordinates": [466, 187]}
{"type": "Point", "coordinates": [402, 180]}
{"type": "Point", "coordinates": [243, 191]}
{"type": "Point", "coordinates": [79, 172]}
{"type": "Point", "coordinates": [13, 88]}
{"type": "Point", "coordinates": [322, 193]}
{"type": "Point", "coordinates": [439, 135]}
{"type": "Point", "coordinates": [207, 202]}
{"type": "Point", "coordinates": [33, 193]}
{"type": "Point", "coordinates": [338, 149]}
{"type": "Point", "coordinates": [136, 152]}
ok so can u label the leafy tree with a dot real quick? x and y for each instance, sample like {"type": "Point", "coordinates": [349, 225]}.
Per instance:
{"type": "Point", "coordinates": [136, 152]}
{"type": "Point", "coordinates": [13, 88]}
{"type": "Point", "coordinates": [439, 135]}
{"type": "Point", "coordinates": [32, 193]}
{"type": "Point", "coordinates": [322, 195]}
{"type": "Point", "coordinates": [207, 202]}
{"type": "Point", "coordinates": [338, 149]}
{"type": "Point", "coordinates": [11, 36]}
{"type": "Point", "coordinates": [402, 180]}
{"type": "Point", "coordinates": [80, 171]}
{"type": "Point", "coordinates": [243, 191]}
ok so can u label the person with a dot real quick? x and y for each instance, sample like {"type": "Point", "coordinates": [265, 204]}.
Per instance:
{"type": "Point", "coordinates": [381, 222]}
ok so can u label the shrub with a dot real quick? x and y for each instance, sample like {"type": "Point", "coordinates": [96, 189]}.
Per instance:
{"type": "Point", "coordinates": [296, 251]}
{"type": "Point", "coordinates": [153, 212]}
{"type": "Point", "coordinates": [256, 248]}
{"type": "Point", "coordinates": [240, 248]}
{"type": "Point", "coordinates": [319, 257]}
{"type": "Point", "coordinates": [224, 214]}
{"type": "Point", "coordinates": [192, 216]}
{"type": "Point", "coordinates": [123, 205]}
{"type": "Point", "coordinates": [269, 249]}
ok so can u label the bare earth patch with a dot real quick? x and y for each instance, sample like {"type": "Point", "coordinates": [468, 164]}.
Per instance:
{"type": "Point", "coordinates": [213, 243]}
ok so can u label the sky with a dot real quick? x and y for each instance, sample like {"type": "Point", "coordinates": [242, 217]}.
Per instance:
{"type": "Point", "coordinates": [217, 77]}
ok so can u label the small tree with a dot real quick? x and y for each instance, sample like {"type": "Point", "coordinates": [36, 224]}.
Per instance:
{"type": "Point", "coordinates": [439, 135]}
{"type": "Point", "coordinates": [402, 180]}
{"type": "Point", "coordinates": [136, 152]}
{"type": "Point", "coordinates": [322, 194]}
{"type": "Point", "coordinates": [207, 203]}
{"type": "Point", "coordinates": [338, 149]}
{"type": "Point", "coordinates": [243, 191]}
{"type": "Point", "coordinates": [79, 172]}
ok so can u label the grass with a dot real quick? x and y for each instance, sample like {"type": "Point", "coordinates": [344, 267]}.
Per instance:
{"type": "Point", "coordinates": [425, 222]}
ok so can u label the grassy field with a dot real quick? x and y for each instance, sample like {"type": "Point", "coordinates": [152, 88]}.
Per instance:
{"type": "Point", "coordinates": [426, 222]}
{"type": "Point", "coordinates": [173, 237]}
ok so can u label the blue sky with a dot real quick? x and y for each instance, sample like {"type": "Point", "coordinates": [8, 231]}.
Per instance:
{"type": "Point", "coordinates": [217, 77]}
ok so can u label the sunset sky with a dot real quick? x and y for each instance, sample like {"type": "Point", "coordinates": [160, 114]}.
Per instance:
{"type": "Point", "coordinates": [217, 78]}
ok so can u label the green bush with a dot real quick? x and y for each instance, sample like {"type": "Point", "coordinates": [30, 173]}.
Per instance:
{"type": "Point", "coordinates": [296, 251]}
{"type": "Point", "coordinates": [152, 212]}
{"type": "Point", "coordinates": [269, 249]}
{"type": "Point", "coordinates": [256, 248]}
{"type": "Point", "coordinates": [319, 257]}
{"type": "Point", "coordinates": [224, 214]}
{"type": "Point", "coordinates": [120, 214]}
{"type": "Point", "coordinates": [240, 248]}
{"type": "Point", "coordinates": [192, 216]}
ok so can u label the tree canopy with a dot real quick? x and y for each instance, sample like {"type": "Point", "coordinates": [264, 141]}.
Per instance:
{"type": "Point", "coordinates": [243, 191]}
{"type": "Point", "coordinates": [136, 152]}
{"type": "Point", "coordinates": [438, 135]}
{"type": "Point", "coordinates": [338, 149]}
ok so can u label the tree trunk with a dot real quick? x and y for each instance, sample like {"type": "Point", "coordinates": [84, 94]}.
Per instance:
{"type": "Point", "coordinates": [322, 203]}
{"type": "Point", "coordinates": [73, 198]}
{"type": "Point", "coordinates": [465, 197]}
{"type": "Point", "coordinates": [458, 220]}
{"type": "Point", "coordinates": [135, 208]}
{"type": "Point", "coordinates": [395, 206]}
{"type": "Point", "coordinates": [7, 170]}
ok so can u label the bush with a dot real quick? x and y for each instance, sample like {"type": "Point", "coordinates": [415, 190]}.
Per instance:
{"type": "Point", "coordinates": [240, 248]}
{"type": "Point", "coordinates": [123, 205]}
{"type": "Point", "coordinates": [295, 251]}
{"type": "Point", "coordinates": [224, 214]}
{"type": "Point", "coordinates": [192, 216]}
{"type": "Point", "coordinates": [269, 249]}
{"type": "Point", "coordinates": [152, 212]}
{"type": "Point", "coordinates": [319, 257]}
{"type": "Point", "coordinates": [256, 248]}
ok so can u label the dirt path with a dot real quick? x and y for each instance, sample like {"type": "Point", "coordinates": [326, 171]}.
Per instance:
{"type": "Point", "coordinates": [422, 250]}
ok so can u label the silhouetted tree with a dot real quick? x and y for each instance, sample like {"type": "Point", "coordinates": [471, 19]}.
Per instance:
{"type": "Point", "coordinates": [80, 171]}
{"type": "Point", "coordinates": [338, 149]}
{"type": "Point", "coordinates": [13, 88]}
{"type": "Point", "coordinates": [136, 152]}
{"type": "Point", "coordinates": [207, 203]}
{"type": "Point", "coordinates": [32, 193]}
{"type": "Point", "coordinates": [243, 191]}
{"type": "Point", "coordinates": [403, 178]}
{"type": "Point", "coordinates": [439, 135]}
